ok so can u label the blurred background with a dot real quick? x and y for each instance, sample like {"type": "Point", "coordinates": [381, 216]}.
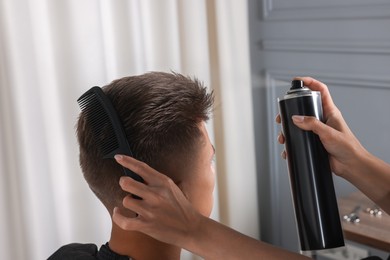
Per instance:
{"type": "Point", "coordinates": [53, 51]}
{"type": "Point", "coordinates": [246, 51]}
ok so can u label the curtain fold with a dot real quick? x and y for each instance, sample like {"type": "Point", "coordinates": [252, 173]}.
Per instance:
{"type": "Point", "coordinates": [50, 53]}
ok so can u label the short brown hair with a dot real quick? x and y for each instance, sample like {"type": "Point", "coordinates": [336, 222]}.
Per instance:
{"type": "Point", "coordinates": [161, 113]}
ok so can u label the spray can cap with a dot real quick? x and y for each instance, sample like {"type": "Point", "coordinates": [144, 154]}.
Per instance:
{"type": "Point", "coordinates": [297, 87]}
{"type": "Point", "coordinates": [297, 84]}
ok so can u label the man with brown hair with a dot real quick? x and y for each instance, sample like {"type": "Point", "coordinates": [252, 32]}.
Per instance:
{"type": "Point", "coordinates": [164, 117]}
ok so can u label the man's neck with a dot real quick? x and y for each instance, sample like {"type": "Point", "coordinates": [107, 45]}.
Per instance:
{"type": "Point", "coordinates": [140, 246]}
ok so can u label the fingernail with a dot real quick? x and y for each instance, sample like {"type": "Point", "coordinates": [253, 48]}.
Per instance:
{"type": "Point", "coordinates": [121, 180]}
{"type": "Point", "coordinates": [116, 210]}
{"type": "Point", "coordinates": [280, 137]}
{"type": "Point", "coordinates": [118, 157]}
{"type": "Point", "coordinates": [283, 154]}
{"type": "Point", "coordinates": [298, 119]}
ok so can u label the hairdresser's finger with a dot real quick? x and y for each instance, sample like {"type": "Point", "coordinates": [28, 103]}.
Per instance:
{"type": "Point", "coordinates": [278, 119]}
{"type": "Point", "coordinates": [307, 123]}
{"type": "Point", "coordinates": [325, 132]}
{"type": "Point", "coordinates": [326, 98]}
{"type": "Point", "coordinates": [140, 207]}
{"type": "Point", "coordinates": [129, 224]}
{"type": "Point", "coordinates": [135, 188]}
{"type": "Point", "coordinates": [150, 193]}
{"type": "Point", "coordinates": [132, 186]}
{"type": "Point", "coordinates": [281, 138]}
{"type": "Point", "coordinates": [316, 85]}
{"type": "Point", "coordinates": [284, 154]}
{"type": "Point", "coordinates": [150, 175]}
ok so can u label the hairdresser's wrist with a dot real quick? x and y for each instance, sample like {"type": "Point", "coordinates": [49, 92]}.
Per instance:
{"type": "Point", "coordinates": [196, 235]}
{"type": "Point", "coordinates": [359, 161]}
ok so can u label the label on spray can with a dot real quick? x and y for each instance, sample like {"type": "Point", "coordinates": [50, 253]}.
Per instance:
{"type": "Point", "coordinates": [311, 182]}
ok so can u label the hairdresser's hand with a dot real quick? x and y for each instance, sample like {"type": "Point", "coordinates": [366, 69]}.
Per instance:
{"type": "Point", "coordinates": [343, 147]}
{"type": "Point", "coordinates": [164, 213]}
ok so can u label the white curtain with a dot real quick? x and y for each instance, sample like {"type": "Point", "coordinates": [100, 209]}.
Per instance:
{"type": "Point", "coordinates": [53, 51]}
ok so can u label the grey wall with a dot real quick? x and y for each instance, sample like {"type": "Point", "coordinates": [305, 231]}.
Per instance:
{"type": "Point", "coordinates": [345, 44]}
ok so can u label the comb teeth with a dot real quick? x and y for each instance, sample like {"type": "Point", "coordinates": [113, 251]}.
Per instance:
{"type": "Point", "coordinates": [97, 118]}
{"type": "Point", "coordinates": [101, 116]}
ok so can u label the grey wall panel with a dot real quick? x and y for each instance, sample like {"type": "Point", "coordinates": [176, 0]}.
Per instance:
{"type": "Point", "coordinates": [345, 44]}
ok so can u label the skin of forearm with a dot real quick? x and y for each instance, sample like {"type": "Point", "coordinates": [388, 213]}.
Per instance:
{"type": "Point", "coordinates": [213, 241]}
{"type": "Point", "coordinates": [371, 175]}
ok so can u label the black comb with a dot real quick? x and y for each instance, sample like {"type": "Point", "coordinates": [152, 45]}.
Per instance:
{"type": "Point", "coordinates": [100, 114]}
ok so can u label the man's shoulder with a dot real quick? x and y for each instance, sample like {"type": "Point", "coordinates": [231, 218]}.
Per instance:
{"type": "Point", "coordinates": [75, 251]}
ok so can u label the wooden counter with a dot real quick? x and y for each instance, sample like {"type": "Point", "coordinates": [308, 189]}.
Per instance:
{"type": "Point", "coordinates": [371, 230]}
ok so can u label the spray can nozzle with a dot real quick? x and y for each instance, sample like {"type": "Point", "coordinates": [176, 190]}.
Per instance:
{"type": "Point", "coordinates": [296, 84]}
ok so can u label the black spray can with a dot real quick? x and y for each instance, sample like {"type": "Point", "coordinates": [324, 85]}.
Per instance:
{"type": "Point", "coordinates": [313, 193]}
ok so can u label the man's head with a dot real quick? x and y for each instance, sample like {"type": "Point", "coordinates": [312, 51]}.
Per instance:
{"type": "Point", "coordinates": [163, 115]}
